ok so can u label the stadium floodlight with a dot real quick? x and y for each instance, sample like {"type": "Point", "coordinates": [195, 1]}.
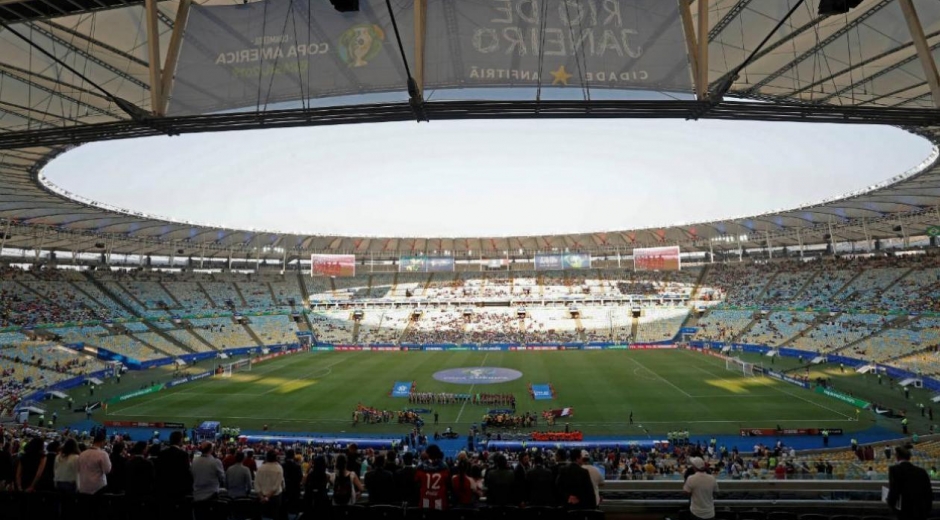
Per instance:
{"type": "Point", "coordinates": [831, 7]}
{"type": "Point", "coordinates": [345, 6]}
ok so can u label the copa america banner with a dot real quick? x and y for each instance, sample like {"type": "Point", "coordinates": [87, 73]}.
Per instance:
{"type": "Point", "coordinates": [562, 261]}
{"type": "Point", "coordinates": [258, 54]}
{"type": "Point", "coordinates": [333, 265]}
{"type": "Point", "coordinates": [656, 259]}
{"type": "Point", "coordinates": [426, 264]}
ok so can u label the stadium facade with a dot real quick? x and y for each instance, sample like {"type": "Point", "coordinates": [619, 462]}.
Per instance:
{"type": "Point", "coordinates": [74, 72]}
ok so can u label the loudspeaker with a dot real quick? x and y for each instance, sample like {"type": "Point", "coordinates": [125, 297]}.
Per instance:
{"type": "Point", "coordinates": [345, 6]}
{"type": "Point", "coordinates": [830, 7]}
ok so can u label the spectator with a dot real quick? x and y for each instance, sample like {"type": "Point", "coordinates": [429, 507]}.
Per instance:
{"type": "Point", "coordinates": [65, 468]}
{"type": "Point", "coordinates": [466, 492]}
{"type": "Point", "coordinates": [702, 488]}
{"type": "Point", "coordinates": [208, 475]}
{"type": "Point", "coordinates": [910, 495]}
{"type": "Point", "coordinates": [597, 480]}
{"type": "Point", "coordinates": [293, 477]}
{"type": "Point", "coordinates": [380, 483]}
{"type": "Point", "coordinates": [433, 477]}
{"type": "Point", "coordinates": [540, 485]}
{"type": "Point", "coordinates": [93, 466]}
{"type": "Point", "coordinates": [500, 483]}
{"type": "Point", "coordinates": [316, 495]}
{"type": "Point", "coordinates": [238, 477]}
{"type": "Point", "coordinates": [574, 484]}
{"type": "Point", "coordinates": [7, 475]}
{"type": "Point", "coordinates": [47, 480]}
{"type": "Point", "coordinates": [31, 465]}
{"type": "Point", "coordinates": [269, 483]}
{"type": "Point", "coordinates": [345, 483]}
{"type": "Point", "coordinates": [174, 476]}
{"type": "Point", "coordinates": [406, 484]}
{"type": "Point", "coordinates": [140, 472]}
{"type": "Point", "coordinates": [118, 475]}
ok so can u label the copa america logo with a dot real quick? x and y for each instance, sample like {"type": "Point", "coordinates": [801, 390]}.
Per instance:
{"type": "Point", "coordinates": [477, 375]}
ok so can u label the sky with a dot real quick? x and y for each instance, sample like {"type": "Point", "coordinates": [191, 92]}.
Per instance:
{"type": "Point", "coordinates": [486, 178]}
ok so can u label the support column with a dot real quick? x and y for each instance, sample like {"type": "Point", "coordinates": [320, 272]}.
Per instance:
{"type": "Point", "coordinates": [711, 251]}
{"type": "Point", "coordinates": [6, 233]}
{"type": "Point", "coordinates": [904, 238]}
{"type": "Point", "coordinates": [770, 251]}
{"type": "Point", "coordinates": [42, 242]}
{"type": "Point", "coordinates": [153, 55]}
{"type": "Point", "coordinates": [688, 27]}
{"type": "Point", "coordinates": [173, 54]}
{"type": "Point", "coordinates": [832, 238]}
{"type": "Point", "coordinates": [868, 243]}
{"type": "Point", "coordinates": [701, 85]}
{"type": "Point", "coordinates": [799, 240]}
{"type": "Point", "coordinates": [923, 50]}
{"type": "Point", "coordinates": [421, 29]}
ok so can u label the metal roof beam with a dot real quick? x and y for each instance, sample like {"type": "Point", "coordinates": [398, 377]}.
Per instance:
{"type": "Point", "coordinates": [726, 20]}
{"type": "Point", "coordinates": [923, 52]}
{"type": "Point", "coordinates": [86, 55]}
{"type": "Point", "coordinates": [96, 43]}
{"type": "Point", "coordinates": [56, 93]}
{"type": "Point", "coordinates": [821, 45]}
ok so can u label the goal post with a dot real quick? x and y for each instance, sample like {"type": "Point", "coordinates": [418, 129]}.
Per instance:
{"type": "Point", "coordinates": [736, 365]}
{"type": "Point", "coordinates": [242, 365]}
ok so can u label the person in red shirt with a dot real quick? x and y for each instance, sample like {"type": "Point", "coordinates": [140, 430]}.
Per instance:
{"type": "Point", "coordinates": [433, 479]}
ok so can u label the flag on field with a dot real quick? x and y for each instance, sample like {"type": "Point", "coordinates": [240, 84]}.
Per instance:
{"type": "Point", "coordinates": [540, 392]}
{"type": "Point", "coordinates": [560, 412]}
{"type": "Point", "coordinates": [401, 389]}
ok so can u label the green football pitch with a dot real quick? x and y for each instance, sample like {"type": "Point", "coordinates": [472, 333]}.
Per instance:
{"type": "Point", "coordinates": [666, 390]}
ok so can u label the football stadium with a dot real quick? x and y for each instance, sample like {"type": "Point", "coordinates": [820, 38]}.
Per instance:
{"type": "Point", "coordinates": [779, 365]}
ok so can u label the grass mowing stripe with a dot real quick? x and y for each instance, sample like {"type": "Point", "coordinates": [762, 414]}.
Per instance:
{"type": "Point", "coordinates": [776, 387]}
{"type": "Point", "coordinates": [661, 378]}
{"type": "Point", "coordinates": [457, 420]}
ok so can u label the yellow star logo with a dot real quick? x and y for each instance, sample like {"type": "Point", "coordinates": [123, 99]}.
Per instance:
{"type": "Point", "coordinates": [560, 76]}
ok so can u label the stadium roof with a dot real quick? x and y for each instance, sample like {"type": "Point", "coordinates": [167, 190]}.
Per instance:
{"type": "Point", "coordinates": [74, 71]}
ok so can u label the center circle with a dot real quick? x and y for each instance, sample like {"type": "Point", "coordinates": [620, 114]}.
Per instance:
{"type": "Point", "coordinates": [477, 375]}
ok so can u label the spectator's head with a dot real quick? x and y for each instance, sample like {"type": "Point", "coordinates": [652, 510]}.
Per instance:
{"type": "Point", "coordinates": [69, 448]}
{"type": "Point", "coordinates": [697, 463]}
{"type": "Point", "coordinates": [118, 448]}
{"type": "Point", "coordinates": [34, 447]}
{"type": "Point", "coordinates": [434, 452]}
{"type": "Point", "coordinates": [585, 457]}
{"type": "Point", "coordinates": [206, 448]}
{"type": "Point", "coordinates": [538, 460]}
{"type": "Point", "coordinates": [340, 464]}
{"type": "Point", "coordinates": [353, 448]}
{"type": "Point", "coordinates": [270, 456]}
{"type": "Point", "coordinates": [575, 456]}
{"type": "Point", "coordinates": [408, 459]}
{"type": "Point", "coordinates": [561, 455]}
{"type": "Point", "coordinates": [249, 455]}
{"type": "Point", "coordinates": [319, 465]}
{"type": "Point", "coordinates": [176, 438]}
{"type": "Point", "coordinates": [500, 461]}
{"type": "Point", "coordinates": [139, 448]}
{"type": "Point", "coordinates": [100, 437]}
{"type": "Point", "coordinates": [239, 457]}
{"type": "Point", "coordinates": [902, 453]}
{"type": "Point", "coordinates": [378, 462]}
{"type": "Point", "coordinates": [289, 455]}
{"type": "Point", "coordinates": [53, 447]}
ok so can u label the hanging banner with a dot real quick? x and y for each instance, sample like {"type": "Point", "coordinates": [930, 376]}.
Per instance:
{"type": "Point", "coordinates": [426, 264]}
{"type": "Point", "coordinates": [342, 266]}
{"type": "Point", "coordinates": [259, 54]}
{"type": "Point", "coordinates": [562, 261]}
{"type": "Point", "coordinates": [656, 259]}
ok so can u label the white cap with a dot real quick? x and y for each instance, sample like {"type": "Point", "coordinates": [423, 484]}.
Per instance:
{"type": "Point", "coordinates": [697, 463]}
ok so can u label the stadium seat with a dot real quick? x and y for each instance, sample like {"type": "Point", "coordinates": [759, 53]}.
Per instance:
{"type": "Point", "coordinates": [461, 513]}
{"type": "Point", "coordinates": [726, 515]}
{"type": "Point", "coordinates": [13, 506]}
{"type": "Point", "coordinates": [501, 513]}
{"type": "Point", "coordinates": [541, 513]}
{"type": "Point", "coordinates": [349, 513]}
{"type": "Point", "coordinates": [139, 508]}
{"type": "Point", "coordinates": [417, 513]}
{"type": "Point", "coordinates": [781, 515]}
{"type": "Point", "coordinates": [585, 514]}
{"type": "Point", "coordinates": [211, 510]}
{"type": "Point", "coordinates": [245, 509]}
{"type": "Point", "coordinates": [752, 515]}
{"type": "Point", "coordinates": [42, 505]}
{"type": "Point", "coordinates": [813, 516]}
{"type": "Point", "coordinates": [385, 512]}
{"type": "Point", "coordinates": [175, 508]}
{"type": "Point", "coordinates": [844, 517]}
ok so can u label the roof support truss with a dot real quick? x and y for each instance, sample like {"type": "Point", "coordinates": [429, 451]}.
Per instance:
{"type": "Point", "coordinates": [923, 52]}
{"type": "Point", "coordinates": [172, 54]}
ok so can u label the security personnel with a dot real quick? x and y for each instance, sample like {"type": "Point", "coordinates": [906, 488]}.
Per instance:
{"type": "Point", "coordinates": [854, 445]}
{"type": "Point", "coordinates": [825, 435]}
{"type": "Point", "coordinates": [904, 426]}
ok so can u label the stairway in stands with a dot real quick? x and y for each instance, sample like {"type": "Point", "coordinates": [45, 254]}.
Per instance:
{"type": "Point", "coordinates": [306, 300]}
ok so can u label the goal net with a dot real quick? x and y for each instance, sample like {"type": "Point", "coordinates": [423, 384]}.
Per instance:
{"type": "Point", "coordinates": [243, 365]}
{"type": "Point", "coordinates": [737, 365]}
